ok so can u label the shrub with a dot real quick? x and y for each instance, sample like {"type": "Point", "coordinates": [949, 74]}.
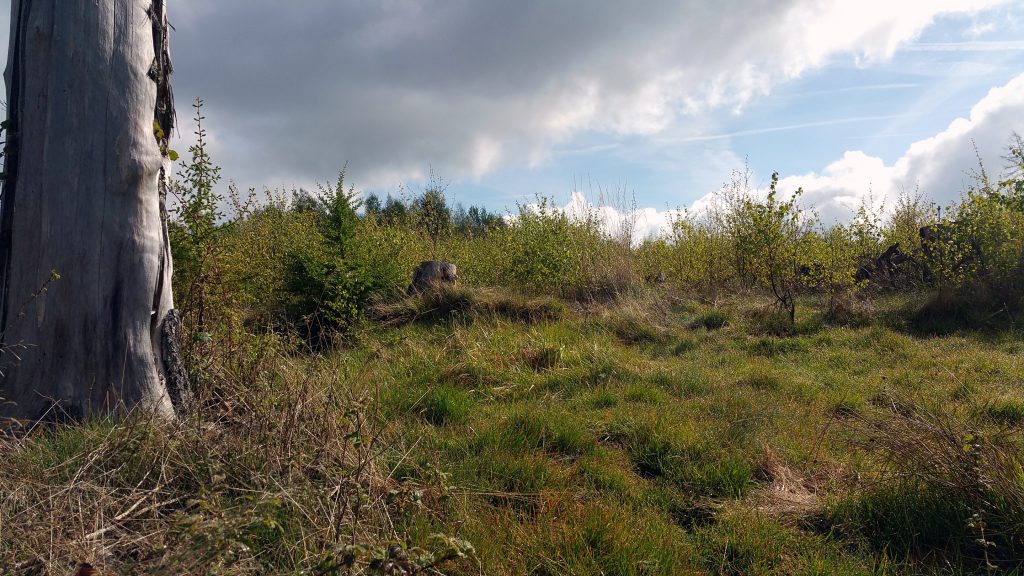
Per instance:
{"type": "Point", "coordinates": [385, 256]}
{"type": "Point", "coordinates": [322, 293]}
{"type": "Point", "coordinates": [254, 257]}
{"type": "Point", "coordinates": [769, 240]}
{"type": "Point", "coordinates": [329, 279]}
{"type": "Point", "coordinates": [911, 212]}
{"type": "Point", "coordinates": [193, 232]}
{"type": "Point", "coordinates": [545, 250]}
{"type": "Point", "coordinates": [977, 250]}
{"type": "Point", "coordinates": [698, 254]}
{"type": "Point", "coordinates": [540, 248]}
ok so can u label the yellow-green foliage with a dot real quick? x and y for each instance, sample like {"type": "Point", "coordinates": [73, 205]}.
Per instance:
{"type": "Point", "coordinates": [388, 253]}
{"type": "Point", "coordinates": [701, 255]}
{"type": "Point", "coordinates": [254, 254]}
{"type": "Point", "coordinates": [985, 242]}
{"type": "Point", "coordinates": [911, 212]}
{"type": "Point", "coordinates": [544, 250]}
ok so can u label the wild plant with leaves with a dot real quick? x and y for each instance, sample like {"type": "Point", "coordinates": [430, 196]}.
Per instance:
{"type": "Point", "coordinates": [197, 214]}
{"type": "Point", "coordinates": [770, 240]}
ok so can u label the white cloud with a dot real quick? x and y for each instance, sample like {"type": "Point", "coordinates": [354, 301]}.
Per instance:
{"type": "Point", "coordinates": [471, 87]}
{"type": "Point", "coordinates": [940, 165]}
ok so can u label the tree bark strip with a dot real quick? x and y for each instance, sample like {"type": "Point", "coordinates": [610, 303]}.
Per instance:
{"type": "Point", "coordinates": [82, 198]}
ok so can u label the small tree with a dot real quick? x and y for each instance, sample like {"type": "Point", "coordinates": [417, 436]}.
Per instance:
{"type": "Point", "coordinates": [197, 214]}
{"type": "Point", "coordinates": [433, 217]}
{"type": "Point", "coordinates": [911, 212]}
{"type": "Point", "coordinates": [395, 212]}
{"type": "Point", "coordinates": [980, 241]}
{"type": "Point", "coordinates": [770, 240]}
{"type": "Point", "coordinates": [700, 254]}
{"type": "Point", "coordinates": [339, 212]}
{"type": "Point", "coordinates": [372, 206]}
{"type": "Point", "coordinates": [325, 288]}
{"type": "Point", "coordinates": [732, 217]}
{"type": "Point", "coordinates": [832, 257]}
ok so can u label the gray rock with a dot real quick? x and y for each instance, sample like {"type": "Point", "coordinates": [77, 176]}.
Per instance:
{"type": "Point", "coordinates": [431, 275]}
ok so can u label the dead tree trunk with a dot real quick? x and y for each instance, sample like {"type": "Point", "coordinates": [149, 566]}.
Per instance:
{"type": "Point", "coordinates": [89, 104]}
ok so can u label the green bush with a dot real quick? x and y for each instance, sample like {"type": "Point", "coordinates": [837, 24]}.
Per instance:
{"type": "Point", "coordinates": [698, 255]}
{"type": "Point", "coordinates": [977, 249]}
{"type": "Point", "coordinates": [386, 256]}
{"type": "Point", "coordinates": [322, 293]}
{"type": "Point", "coordinates": [540, 248]}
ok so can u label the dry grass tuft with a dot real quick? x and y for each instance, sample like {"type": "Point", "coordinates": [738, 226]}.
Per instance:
{"type": "Point", "coordinates": [448, 303]}
{"type": "Point", "coordinates": [277, 473]}
{"type": "Point", "coordinates": [945, 482]}
{"type": "Point", "coordinates": [786, 494]}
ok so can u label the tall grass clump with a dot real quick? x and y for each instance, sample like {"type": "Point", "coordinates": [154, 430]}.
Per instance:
{"type": "Point", "coordinates": [945, 484]}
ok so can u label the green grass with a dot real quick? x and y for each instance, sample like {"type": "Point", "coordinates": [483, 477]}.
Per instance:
{"type": "Point", "coordinates": [583, 441]}
{"type": "Point", "coordinates": [446, 405]}
{"type": "Point", "coordinates": [711, 319]}
{"type": "Point", "coordinates": [1009, 412]}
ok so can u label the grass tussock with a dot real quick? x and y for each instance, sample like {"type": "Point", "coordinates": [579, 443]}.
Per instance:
{"type": "Point", "coordinates": [946, 485]}
{"type": "Point", "coordinates": [977, 307]}
{"type": "Point", "coordinates": [713, 319]}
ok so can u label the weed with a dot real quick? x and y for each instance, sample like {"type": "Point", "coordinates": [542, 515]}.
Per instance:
{"type": "Point", "coordinates": [713, 319]}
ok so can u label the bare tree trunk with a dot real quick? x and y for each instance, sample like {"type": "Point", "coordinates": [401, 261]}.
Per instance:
{"type": "Point", "coordinates": [87, 85]}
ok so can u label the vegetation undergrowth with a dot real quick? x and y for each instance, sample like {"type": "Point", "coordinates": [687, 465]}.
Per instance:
{"type": "Point", "coordinates": [753, 392]}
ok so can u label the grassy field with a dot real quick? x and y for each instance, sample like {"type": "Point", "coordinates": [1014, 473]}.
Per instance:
{"type": "Point", "coordinates": [480, 433]}
{"type": "Point", "coordinates": [652, 438]}
{"type": "Point", "coordinates": [752, 391]}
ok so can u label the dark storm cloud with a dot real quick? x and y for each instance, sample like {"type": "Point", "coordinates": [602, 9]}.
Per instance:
{"type": "Point", "coordinates": [294, 90]}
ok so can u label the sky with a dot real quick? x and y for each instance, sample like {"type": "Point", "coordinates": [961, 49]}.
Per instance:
{"type": "Point", "coordinates": [654, 101]}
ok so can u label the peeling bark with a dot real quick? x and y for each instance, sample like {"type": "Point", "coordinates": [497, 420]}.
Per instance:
{"type": "Point", "coordinates": [84, 197]}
